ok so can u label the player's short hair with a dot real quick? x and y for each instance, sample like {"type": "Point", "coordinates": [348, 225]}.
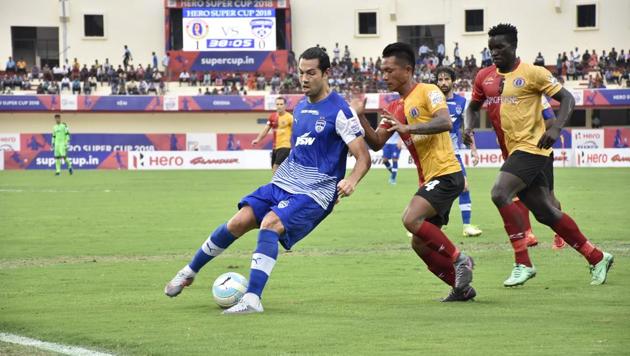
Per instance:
{"type": "Point", "coordinates": [446, 70]}
{"type": "Point", "coordinates": [319, 54]}
{"type": "Point", "coordinates": [284, 100]}
{"type": "Point", "coordinates": [57, 116]}
{"type": "Point", "coordinates": [402, 51]}
{"type": "Point", "coordinates": [507, 30]}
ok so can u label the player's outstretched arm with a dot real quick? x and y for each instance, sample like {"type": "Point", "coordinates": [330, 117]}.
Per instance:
{"type": "Point", "coordinates": [472, 116]}
{"type": "Point", "coordinates": [440, 122]}
{"type": "Point", "coordinates": [359, 150]}
{"type": "Point", "coordinates": [567, 103]}
{"type": "Point", "coordinates": [375, 138]}
{"type": "Point", "coordinates": [264, 133]}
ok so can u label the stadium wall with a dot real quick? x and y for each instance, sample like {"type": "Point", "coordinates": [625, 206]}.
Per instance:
{"type": "Point", "coordinates": [138, 24]}
{"type": "Point", "coordinates": [543, 26]}
{"type": "Point", "coordinates": [135, 122]}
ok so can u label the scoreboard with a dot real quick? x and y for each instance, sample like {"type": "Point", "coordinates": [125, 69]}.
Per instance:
{"type": "Point", "coordinates": [229, 29]}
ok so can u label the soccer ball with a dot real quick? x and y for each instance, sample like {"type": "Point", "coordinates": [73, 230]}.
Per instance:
{"type": "Point", "coordinates": [228, 289]}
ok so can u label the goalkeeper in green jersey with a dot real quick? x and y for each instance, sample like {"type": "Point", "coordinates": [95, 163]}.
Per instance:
{"type": "Point", "coordinates": [60, 141]}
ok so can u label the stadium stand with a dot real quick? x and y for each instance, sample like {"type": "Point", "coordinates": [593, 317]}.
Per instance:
{"type": "Point", "coordinates": [575, 71]}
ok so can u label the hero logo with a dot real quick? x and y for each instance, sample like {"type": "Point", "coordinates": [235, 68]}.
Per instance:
{"type": "Point", "coordinates": [305, 140]}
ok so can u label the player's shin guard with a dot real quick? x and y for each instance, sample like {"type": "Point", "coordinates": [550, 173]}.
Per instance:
{"type": "Point", "coordinates": [439, 265]}
{"type": "Point", "coordinates": [514, 226]}
{"type": "Point", "coordinates": [568, 229]}
{"type": "Point", "coordinates": [220, 239]}
{"type": "Point", "coordinates": [465, 205]}
{"type": "Point", "coordinates": [263, 261]}
{"type": "Point", "coordinates": [435, 239]}
{"type": "Point", "coordinates": [394, 170]}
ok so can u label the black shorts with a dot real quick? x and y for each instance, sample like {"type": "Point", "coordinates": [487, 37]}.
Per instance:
{"type": "Point", "coordinates": [279, 155]}
{"type": "Point", "coordinates": [440, 192]}
{"type": "Point", "coordinates": [534, 170]}
{"type": "Point", "coordinates": [549, 171]}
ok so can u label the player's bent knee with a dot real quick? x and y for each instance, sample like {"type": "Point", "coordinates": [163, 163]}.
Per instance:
{"type": "Point", "coordinates": [499, 196]}
{"type": "Point", "coordinates": [242, 222]}
{"type": "Point", "coordinates": [271, 221]}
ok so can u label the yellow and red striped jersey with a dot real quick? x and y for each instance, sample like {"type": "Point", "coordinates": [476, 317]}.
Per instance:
{"type": "Point", "coordinates": [433, 154]}
{"type": "Point", "coordinates": [281, 125]}
{"type": "Point", "coordinates": [514, 104]}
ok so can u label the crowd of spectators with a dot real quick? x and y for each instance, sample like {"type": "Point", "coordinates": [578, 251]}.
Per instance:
{"type": "Point", "coordinates": [598, 70]}
{"type": "Point", "coordinates": [348, 74]}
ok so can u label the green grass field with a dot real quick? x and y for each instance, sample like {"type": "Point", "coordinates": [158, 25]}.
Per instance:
{"type": "Point", "coordinates": [84, 259]}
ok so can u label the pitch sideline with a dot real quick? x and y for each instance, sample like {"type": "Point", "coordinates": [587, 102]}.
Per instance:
{"type": "Point", "coordinates": [50, 346]}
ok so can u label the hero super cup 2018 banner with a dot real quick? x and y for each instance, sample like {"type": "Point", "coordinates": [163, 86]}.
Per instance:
{"type": "Point", "coordinates": [89, 151]}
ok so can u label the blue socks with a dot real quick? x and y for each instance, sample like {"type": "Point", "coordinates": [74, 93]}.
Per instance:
{"type": "Point", "coordinates": [465, 207]}
{"type": "Point", "coordinates": [220, 239]}
{"type": "Point", "coordinates": [394, 170]}
{"type": "Point", "coordinates": [388, 165]}
{"type": "Point", "coordinates": [263, 260]}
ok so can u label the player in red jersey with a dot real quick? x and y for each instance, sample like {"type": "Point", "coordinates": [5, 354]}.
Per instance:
{"type": "Point", "coordinates": [512, 91]}
{"type": "Point", "coordinates": [422, 119]}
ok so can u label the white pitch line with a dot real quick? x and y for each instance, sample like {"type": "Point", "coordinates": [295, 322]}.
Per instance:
{"type": "Point", "coordinates": [50, 346]}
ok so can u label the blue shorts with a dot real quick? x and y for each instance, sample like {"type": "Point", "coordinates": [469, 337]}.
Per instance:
{"type": "Point", "coordinates": [391, 151]}
{"type": "Point", "coordinates": [299, 213]}
{"type": "Point", "coordinates": [459, 158]}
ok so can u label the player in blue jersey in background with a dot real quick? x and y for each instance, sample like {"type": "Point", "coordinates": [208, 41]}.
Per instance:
{"type": "Point", "coordinates": [302, 191]}
{"type": "Point", "coordinates": [456, 107]}
{"type": "Point", "coordinates": [391, 151]}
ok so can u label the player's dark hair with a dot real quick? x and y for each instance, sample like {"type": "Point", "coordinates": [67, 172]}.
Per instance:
{"type": "Point", "coordinates": [446, 70]}
{"type": "Point", "coordinates": [319, 54]}
{"type": "Point", "coordinates": [507, 30]}
{"type": "Point", "coordinates": [401, 51]}
{"type": "Point", "coordinates": [57, 115]}
{"type": "Point", "coordinates": [284, 100]}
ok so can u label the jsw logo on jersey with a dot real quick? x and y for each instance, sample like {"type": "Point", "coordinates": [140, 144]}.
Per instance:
{"type": "Point", "coordinates": [304, 140]}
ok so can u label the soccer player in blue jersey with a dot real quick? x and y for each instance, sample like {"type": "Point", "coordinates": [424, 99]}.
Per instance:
{"type": "Point", "coordinates": [302, 191]}
{"type": "Point", "coordinates": [456, 106]}
{"type": "Point", "coordinates": [391, 151]}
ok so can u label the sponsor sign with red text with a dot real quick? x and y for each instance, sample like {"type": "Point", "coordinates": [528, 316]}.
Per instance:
{"type": "Point", "coordinates": [604, 157]}
{"type": "Point", "coordinates": [250, 159]}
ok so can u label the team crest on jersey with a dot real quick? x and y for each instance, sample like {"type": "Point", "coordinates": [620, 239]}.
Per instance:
{"type": "Point", "coordinates": [458, 110]}
{"type": "Point", "coordinates": [414, 112]}
{"type": "Point", "coordinates": [436, 97]}
{"type": "Point", "coordinates": [283, 204]}
{"type": "Point", "coordinates": [518, 82]}
{"type": "Point", "coordinates": [488, 81]}
{"type": "Point", "coordinates": [320, 124]}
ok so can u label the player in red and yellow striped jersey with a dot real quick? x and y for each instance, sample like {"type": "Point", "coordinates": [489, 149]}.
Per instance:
{"type": "Point", "coordinates": [422, 119]}
{"type": "Point", "coordinates": [281, 122]}
{"type": "Point", "coordinates": [512, 91]}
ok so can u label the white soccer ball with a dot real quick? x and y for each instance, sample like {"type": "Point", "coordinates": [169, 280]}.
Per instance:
{"type": "Point", "coordinates": [228, 289]}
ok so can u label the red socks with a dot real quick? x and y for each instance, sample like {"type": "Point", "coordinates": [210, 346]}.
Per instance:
{"type": "Point", "coordinates": [515, 227]}
{"type": "Point", "coordinates": [524, 213]}
{"type": "Point", "coordinates": [439, 265]}
{"type": "Point", "coordinates": [437, 251]}
{"type": "Point", "coordinates": [435, 239]}
{"type": "Point", "coordinates": [570, 232]}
